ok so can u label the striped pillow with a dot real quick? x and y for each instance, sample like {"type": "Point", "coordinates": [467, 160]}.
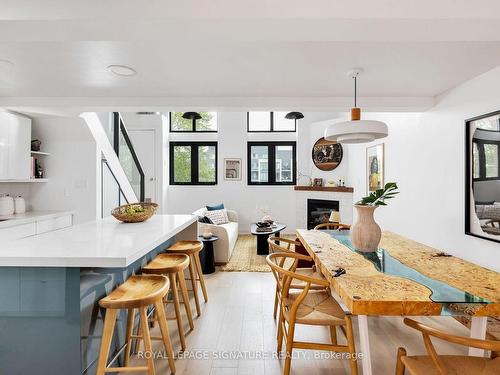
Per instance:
{"type": "Point", "coordinates": [218, 216]}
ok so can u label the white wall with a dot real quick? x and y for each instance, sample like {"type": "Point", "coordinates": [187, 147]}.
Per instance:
{"type": "Point", "coordinates": [425, 155]}
{"type": "Point", "coordinates": [279, 201]}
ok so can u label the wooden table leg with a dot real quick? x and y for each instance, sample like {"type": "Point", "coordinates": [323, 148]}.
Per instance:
{"type": "Point", "coordinates": [478, 331]}
{"type": "Point", "coordinates": [364, 342]}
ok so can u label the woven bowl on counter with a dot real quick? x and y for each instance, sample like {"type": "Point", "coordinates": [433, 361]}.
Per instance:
{"type": "Point", "coordinates": [124, 213]}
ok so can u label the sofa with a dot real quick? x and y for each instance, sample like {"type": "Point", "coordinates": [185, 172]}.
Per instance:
{"type": "Point", "coordinates": [227, 233]}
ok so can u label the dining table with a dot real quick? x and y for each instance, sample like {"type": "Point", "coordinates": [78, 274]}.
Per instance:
{"type": "Point", "coordinates": [402, 278]}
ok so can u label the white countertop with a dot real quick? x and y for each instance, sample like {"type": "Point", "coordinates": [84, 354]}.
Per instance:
{"type": "Point", "coordinates": [30, 217]}
{"type": "Point", "coordinates": [102, 243]}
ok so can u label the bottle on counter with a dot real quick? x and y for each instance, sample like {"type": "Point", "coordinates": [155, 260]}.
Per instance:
{"type": "Point", "coordinates": [19, 205]}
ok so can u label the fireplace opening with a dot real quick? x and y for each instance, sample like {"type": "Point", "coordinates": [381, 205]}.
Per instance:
{"type": "Point", "coordinates": [319, 210]}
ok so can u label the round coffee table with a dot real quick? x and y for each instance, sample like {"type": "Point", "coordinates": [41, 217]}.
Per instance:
{"type": "Point", "coordinates": [207, 258]}
{"type": "Point", "coordinates": [262, 245]}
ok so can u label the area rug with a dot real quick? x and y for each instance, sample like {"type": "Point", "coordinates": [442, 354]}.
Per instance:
{"type": "Point", "coordinates": [245, 258]}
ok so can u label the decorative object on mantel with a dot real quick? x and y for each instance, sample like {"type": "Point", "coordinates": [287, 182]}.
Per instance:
{"type": "Point", "coordinates": [327, 155]}
{"type": "Point", "coordinates": [135, 212]}
{"type": "Point", "coordinates": [308, 176]}
{"type": "Point", "coordinates": [365, 232]}
{"type": "Point", "coordinates": [356, 130]}
{"type": "Point", "coordinates": [36, 144]}
{"type": "Point", "coordinates": [318, 182]}
{"type": "Point", "coordinates": [232, 169]}
{"type": "Point", "coordinates": [374, 168]}
{"type": "Point", "coordinates": [482, 205]}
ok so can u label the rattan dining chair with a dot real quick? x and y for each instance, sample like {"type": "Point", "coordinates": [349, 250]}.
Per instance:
{"type": "Point", "coordinates": [332, 226]}
{"type": "Point", "coordinates": [283, 245]}
{"type": "Point", "coordinates": [308, 307]}
{"type": "Point", "coordinates": [434, 363]}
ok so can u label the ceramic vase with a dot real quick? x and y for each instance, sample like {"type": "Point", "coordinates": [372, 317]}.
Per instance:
{"type": "Point", "coordinates": [365, 233]}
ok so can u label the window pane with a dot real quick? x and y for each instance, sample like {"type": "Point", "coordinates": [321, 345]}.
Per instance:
{"type": "Point", "coordinates": [259, 121]}
{"type": "Point", "coordinates": [475, 161]}
{"type": "Point", "coordinates": [280, 123]}
{"type": "Point", "coordinates": [179, 123]}
{"type": "Point", "coordinates": [259, 167]}
{"type": "Point", "coordinates": [208, 121]}
{"type": "Point", "coordinates": [491, 155]}
{"type": "Point", "coordinates": [284, 163]}
{"type": "Point", "coordinates": [489, 123]}
{"type": "Point", "coordinates": [206, 163]}
{"type": "Point", "coordinates": [182, 163]}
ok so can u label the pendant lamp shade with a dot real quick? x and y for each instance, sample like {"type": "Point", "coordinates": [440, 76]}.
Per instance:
{"type": "Point", "coordinates": [356, 130]}
{"type": "Point", "coordinates": [294, 116]}
{"type": "Point", "coordinates": [191, 115]}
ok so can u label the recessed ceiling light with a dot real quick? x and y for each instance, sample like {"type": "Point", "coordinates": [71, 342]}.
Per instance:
{"type": "Point", "coordinates": [121, 70]}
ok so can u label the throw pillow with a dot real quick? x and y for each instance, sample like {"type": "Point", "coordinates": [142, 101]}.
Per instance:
{"type": "Point", "coordinates": [218, 216]}
{"type": "Point", "coordinates": [216, 208]}
{"type": "Point", "coordinates": [205, 220]}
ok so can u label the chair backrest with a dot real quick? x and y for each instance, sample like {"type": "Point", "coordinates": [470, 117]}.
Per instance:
{"type": "Point", "coordinates": [427, 332]}
{"type": "Point", "coordinates": [281, 245]}
{"type": "Point", "coordinates": [332, 226]}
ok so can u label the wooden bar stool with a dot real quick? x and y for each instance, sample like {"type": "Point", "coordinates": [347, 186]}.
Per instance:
{"type": "Point", "coordinates": [138, 292]}
{"type": "Point", "coordinates": [192, 249]}
{"type": "Point", "coordinates": [173, 265]}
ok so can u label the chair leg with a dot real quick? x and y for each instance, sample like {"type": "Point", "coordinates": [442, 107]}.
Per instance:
{"type": "Point", "coordinates": [200, 275]}
{"type": "Point", "coordinates": [185, 298]}
{"type": "Point", "coordinates": [275, 303]}
{"type": "Point", "coordinates": [280, 332]}
{"type": "Point", "coordinates": [400, 367]}
{"type": "Point", "coordinates": [129, 332]}
{"type": "Point", "coordinates": [352, 346]}
{"type": "Point", "coordinates": [178, 317]}
{"type": "Point", "coordinates": [194, 284]}
{"type": "Point", "coordinates": [148, 351]}
{"type": "Point", "coordinates": [107, 336]}
{"type": "Point", "coordinates": [289, 348]}
{"type": "Point", "coordinates": [162, 320]}
{"type": "Point", "coordinates": [333, 334]}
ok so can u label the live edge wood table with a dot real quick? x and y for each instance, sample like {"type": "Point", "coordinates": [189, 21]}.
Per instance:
{"type": "Point", "coordinates": [402, 278]}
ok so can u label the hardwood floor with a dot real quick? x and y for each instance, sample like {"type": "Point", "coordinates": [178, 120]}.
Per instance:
{"type": "Point", "coordinates": [238, 319]}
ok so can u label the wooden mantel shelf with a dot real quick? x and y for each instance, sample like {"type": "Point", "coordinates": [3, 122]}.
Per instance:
{"type": "Point", "coordinates": [339, 189]}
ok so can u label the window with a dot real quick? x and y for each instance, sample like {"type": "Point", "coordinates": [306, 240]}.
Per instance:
{"type": "Point", "coordinates": [271, 163]}
{"type": "Point", "coordinates": [269, 122]}
{"type": "Point", "coordinates": [193, 163]}
{"type": "Point", "coordinates": [207, 123]}
{"type": "Point", "coordinates": [485, 156]}
{"type": "Point", "coordinates": [488, 123]}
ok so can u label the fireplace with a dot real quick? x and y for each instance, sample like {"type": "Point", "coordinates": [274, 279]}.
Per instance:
{"type": "Point", "coordinates": [319, 210]}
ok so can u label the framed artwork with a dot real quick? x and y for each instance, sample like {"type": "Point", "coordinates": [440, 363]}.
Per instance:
{"type": "Point", "coordinates": [318, 182]}
{"type": "Point", "coordinates": [232, 169]}
{"type": "Point", "coordinates": [375, 168]}
{"type": "Point", "coordinates": [327, 155]}
{"type": "Point", "coordinates": [482, 176]}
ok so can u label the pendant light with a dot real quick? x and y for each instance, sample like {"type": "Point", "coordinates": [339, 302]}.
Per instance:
{"type": "Point", "coordinates": [191, 115]}
{"type": "Point", "coordinates": [356, 130]}
{"type": "Point", "coordinates": [294, 116]}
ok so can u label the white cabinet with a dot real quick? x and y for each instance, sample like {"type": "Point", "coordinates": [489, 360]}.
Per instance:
{"type": "Point", "coordinates": [38, 225]}
{"type": "Point", "coordinates": [18, 231]}
{"type": "Point", "coordinates": [15, 146]}
{"type": "Point", "coordinates": [50, 225]}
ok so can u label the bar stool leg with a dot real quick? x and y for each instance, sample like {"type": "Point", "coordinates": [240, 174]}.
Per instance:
{"type": "Point", "coordinates": [185, 297]}
{"type": "Point", "coordinates": [178, 317]}
{"type": "Point", "coordinates": [137, 345]}
{"type": "Point", "coordinates": [200, 276]}
{"type": "Point", "coordinates": [107, 336]}
{"type": "Point", "coordinates": [129, 332]}
{"type": "Point", "coordinates": [194, 284]}
{"type": "Point", "coordinates": [162, 320]}
{"type": "Point", "coordinates": [148, 351]}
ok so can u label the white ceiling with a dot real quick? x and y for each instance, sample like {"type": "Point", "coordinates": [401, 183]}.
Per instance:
{"type": "Point", "coordinates": [226, 53]}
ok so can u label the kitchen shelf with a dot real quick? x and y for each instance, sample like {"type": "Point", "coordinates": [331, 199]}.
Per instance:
{"type": "Point", "coordinates": [30, 180]}
{"type": "Point", "coordinates": [40, 153]}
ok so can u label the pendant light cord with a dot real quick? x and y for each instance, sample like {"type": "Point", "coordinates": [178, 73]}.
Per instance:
{"type": "Point", "coordinates": [355, 89]}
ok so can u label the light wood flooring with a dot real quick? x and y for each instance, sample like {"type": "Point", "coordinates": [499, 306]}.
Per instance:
{"type": "Point", "coordinates": [238, 318]}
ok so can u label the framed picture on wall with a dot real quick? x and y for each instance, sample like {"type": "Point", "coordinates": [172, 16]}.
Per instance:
{"type": "Point", "coordinates": [482, 176]}
{"type": "Point", "coordinates": [232, 169]}
{"type": "Point", "coordinates": [374, 168]}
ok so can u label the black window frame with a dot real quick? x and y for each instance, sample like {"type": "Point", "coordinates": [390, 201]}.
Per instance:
{"type": "Point", "coordinates": [194, 126]}
{"type": "Point", "coordinates": [271, 157]}
{"type": "Point", "coordinates": [194, 162]}
{"type": "Point", "coordinates": [271, 130]}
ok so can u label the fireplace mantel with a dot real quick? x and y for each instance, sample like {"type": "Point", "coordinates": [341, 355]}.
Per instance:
{"type": "Point", "coordinates": [339, 189]}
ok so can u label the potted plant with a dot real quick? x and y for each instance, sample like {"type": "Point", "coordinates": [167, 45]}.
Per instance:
{"type": "Point", "coordinates": [365, 233]}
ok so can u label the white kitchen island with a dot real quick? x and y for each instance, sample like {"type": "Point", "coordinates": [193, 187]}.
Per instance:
{"type": "Point", "coordinates": [50, 285]}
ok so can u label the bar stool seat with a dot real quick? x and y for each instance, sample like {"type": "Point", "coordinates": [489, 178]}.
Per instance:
{"type": "Point", "coordinates": [173, 265]}
{"type": "Point", "coordinates": [138, 292]}
{"type": "Point", "coordinates": [192, 249]}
